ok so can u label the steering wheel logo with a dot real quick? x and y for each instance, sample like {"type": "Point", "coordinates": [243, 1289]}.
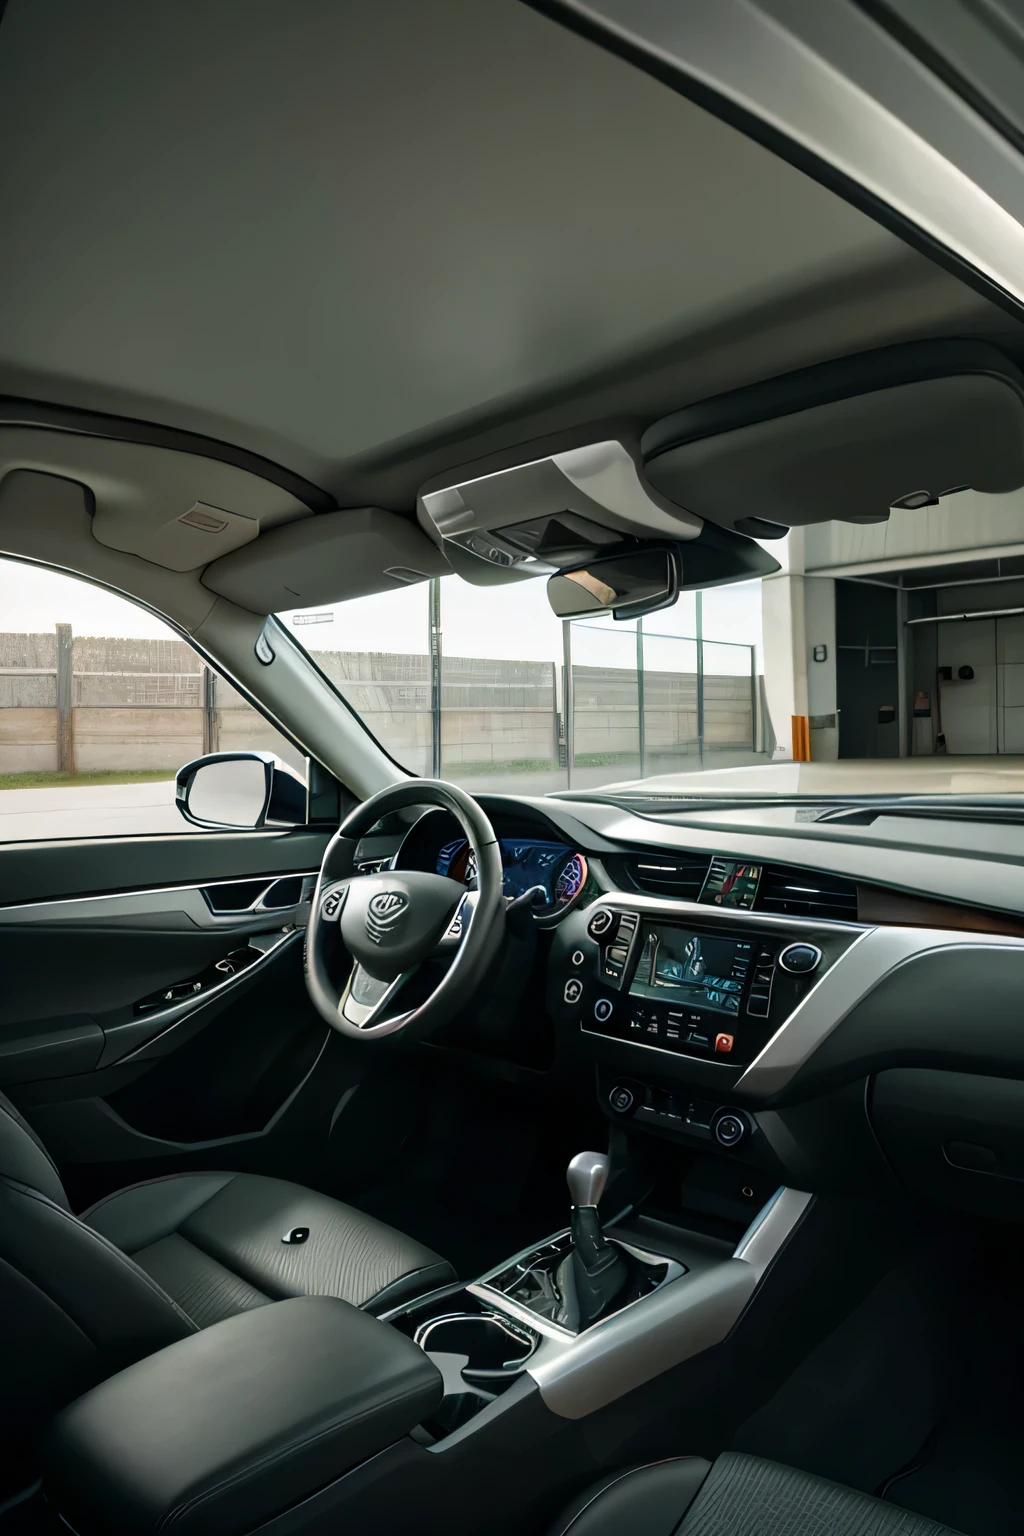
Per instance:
{"type": "Point", "coordinates": [383, 913]}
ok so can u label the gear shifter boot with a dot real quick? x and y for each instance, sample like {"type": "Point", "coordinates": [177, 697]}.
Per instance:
{"type": "Point", "coordinates": [600, 1270]}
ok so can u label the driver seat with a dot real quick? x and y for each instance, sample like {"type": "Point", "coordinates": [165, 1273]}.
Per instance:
{"type": "Point", "coordinates": [84, 1296]}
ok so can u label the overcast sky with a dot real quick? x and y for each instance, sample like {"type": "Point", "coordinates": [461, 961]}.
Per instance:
{"type": "Point", "coordinates": [501, 622]}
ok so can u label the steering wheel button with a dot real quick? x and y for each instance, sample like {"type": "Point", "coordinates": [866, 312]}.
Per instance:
{"type": "Point", "coordinates": [573, 990]}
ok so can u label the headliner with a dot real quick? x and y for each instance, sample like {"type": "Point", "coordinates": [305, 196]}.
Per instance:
{"type": "Point", "coordinates": [376, 240]}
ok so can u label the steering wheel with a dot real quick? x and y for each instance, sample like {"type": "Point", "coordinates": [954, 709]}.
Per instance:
{"type": "Point", "coordinates": [394, 921]}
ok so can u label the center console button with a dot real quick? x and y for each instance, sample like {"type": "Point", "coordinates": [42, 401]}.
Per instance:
{"type": "Point", "coordinates": [730, 1128]}
{"type": "Point", "coordinates": [578, 958]}
{"type": "Point", "coordinates": [800, 959]}
{"type": "Point", "coordinates": [600, 923]}
{"type": "Point", "coordinates": [603, 1010]}
{"type": "Point", "coordinates": [573, 990]}
{"type": "Point", "coordinates": [620, 1099]}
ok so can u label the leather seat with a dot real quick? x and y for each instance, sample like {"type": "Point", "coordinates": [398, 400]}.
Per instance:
{"type": "Point", "coordinates": [84, 1296]}
{"type": "Point", "coordinates": [736, 1496]}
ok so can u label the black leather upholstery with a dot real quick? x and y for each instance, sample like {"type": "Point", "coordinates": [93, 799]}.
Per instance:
{"type": "Point", "coordinates": [221, 1432]}
{"type": "Point", "coordinates": [213, 1241]}
{"type": "Point", "coordinates": [737, 1496]}
{"type": "Point", "coordinates": [82, 1297]}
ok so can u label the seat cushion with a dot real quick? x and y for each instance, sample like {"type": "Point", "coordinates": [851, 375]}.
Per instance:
{"type": "Point", "coordinates": [737, 1496]}
{"type": "Point", "coordinates": [214, 1242]}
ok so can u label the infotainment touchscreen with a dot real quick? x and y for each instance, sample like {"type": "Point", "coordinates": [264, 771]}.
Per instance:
{"type": "Point", "coordinates": [678, 966]}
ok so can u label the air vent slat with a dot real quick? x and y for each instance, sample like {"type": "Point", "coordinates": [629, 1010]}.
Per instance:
{"type": "Point", "coordinates": [678, 875]}
{"type": "Point", "coordinates": [806, 893]}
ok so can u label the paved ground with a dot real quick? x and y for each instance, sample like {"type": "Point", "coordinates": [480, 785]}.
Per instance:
{"type": "Point", "coordinates": [121, 810]}
{"type": "Point", "coordinates": [95, 810]}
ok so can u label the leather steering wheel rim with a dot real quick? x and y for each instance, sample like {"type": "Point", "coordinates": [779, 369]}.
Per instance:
{"type": "Point", "coordinates": [397, 891]}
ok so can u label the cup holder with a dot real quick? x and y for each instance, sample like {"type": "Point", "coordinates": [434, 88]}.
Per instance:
{"type": "Point", "coordinates": [490, 1349]}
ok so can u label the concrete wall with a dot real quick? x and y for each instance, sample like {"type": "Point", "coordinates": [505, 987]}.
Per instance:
{"type": "Point", "coordinates": [139, 705]}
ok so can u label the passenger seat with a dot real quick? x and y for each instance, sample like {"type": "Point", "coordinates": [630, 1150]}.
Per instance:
{"type": "Point", "coordinates": [735, 1496]}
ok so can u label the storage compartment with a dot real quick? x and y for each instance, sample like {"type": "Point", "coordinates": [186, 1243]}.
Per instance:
{"type": "Point", "coordinates": [954, 1137]}
{"type": "Point", "coordinates": [221, 1432]}
{"type": "Point", "coordinates": [489, 1350]}
{"type": "Point", "coordinates": [478, 1354]}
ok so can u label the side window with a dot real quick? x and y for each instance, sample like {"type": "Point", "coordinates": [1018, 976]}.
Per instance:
{"type": "Point", "coordinates": [100, 705]}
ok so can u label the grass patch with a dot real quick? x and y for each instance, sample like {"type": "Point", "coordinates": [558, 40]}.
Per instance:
{"type": "Point", "coordinates": [511, 765]}
{"type": "Point", "coordinates": [604, 759]}
{"type": "Point", "coordinates": [82, 780]}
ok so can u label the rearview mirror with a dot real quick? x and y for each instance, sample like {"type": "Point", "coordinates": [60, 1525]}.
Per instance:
{"type": "Point", "coordinates": [625, 585]}
{"type": "Point", "coordinates": [240, 789]}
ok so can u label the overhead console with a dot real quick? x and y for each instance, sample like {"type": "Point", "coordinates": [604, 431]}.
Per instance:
{"type": "Point", "coordinates": [568, 508]}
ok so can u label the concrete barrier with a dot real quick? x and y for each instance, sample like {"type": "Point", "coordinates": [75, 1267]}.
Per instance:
{"type": "Point", "coordinates": [149, 705]}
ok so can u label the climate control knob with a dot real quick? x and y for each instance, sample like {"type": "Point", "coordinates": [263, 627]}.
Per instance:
{"type": "Point", "coordinates": [730, 1127]}
{"type": "Point", "coordinates": [800, 959]}
{"type": "Point", "coordinates": [600, 923]}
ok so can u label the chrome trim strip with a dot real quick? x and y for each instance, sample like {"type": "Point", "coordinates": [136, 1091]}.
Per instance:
{"type": "Point", "coordinates": [483, 1291]}
{"type": "Point", "coordinates": [873, 955]}
{"type": "Point", "coordinates": [848, 981]}
{"type": "Point", "coordinates": [772, 1227]}
{"type": "Point", "coordinates": [184, 900]}
{"type": "Point", "coordinates": [680, 1319]}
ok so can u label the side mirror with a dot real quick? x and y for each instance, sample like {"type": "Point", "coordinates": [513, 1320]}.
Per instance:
{"type": "Point", "coordinates": [627, 585]}
{"type": "Point", "coordinates": [240, 789]}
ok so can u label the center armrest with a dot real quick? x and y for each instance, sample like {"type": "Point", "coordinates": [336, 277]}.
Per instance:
{"type": "Point", "coordinates": [223, 1430]}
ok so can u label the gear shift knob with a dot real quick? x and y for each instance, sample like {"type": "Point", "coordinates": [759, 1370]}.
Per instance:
{"type": "Point", "coordinates": [586, 1177]}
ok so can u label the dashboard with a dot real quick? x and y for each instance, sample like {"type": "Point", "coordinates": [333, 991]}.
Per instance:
{"type": "Point", "coordinates": [836, 1007]}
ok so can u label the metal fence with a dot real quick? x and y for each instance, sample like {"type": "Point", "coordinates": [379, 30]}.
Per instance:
{"type": "Point", "coordinates": [85, 704]}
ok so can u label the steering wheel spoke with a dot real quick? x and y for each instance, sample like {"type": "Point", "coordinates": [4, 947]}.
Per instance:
{"type": "Point", "coordinates": [454, 934]}
{"type": "Point", "coordinates": [365, 1000]}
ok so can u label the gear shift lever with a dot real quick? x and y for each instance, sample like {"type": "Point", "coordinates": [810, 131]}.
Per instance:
{"type": "Point", "coordinates": [599, 1268]}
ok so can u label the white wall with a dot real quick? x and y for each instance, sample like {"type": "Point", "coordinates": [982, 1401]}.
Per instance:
{"type": "Point", "coordinates": [960, 525]}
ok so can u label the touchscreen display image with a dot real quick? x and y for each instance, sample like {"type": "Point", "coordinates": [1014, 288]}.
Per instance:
{"type": "Point", "coordinates": [693, 969]}
{"type": "Point", "coordinates": [731, 884]}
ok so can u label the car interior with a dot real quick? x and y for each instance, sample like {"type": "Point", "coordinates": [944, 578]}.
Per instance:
{"type": "Point", "coordinates": [381, 1156]}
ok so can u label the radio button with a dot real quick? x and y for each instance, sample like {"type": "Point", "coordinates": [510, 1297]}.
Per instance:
{"type": "Point", "coordinates": [600, 923]}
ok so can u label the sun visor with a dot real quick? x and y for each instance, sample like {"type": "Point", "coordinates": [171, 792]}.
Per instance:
{"type": "Point", "coordinates": [325, 559]}
{"type": "Point", "coordinates": [846, 440]}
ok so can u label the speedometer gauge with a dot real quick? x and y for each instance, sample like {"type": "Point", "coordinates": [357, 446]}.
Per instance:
{"type": "Point", "coordinates": [571, 880]}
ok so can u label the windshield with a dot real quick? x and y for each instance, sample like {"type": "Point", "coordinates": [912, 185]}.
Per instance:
{"type": "Point", "coordinates": [853, 671]}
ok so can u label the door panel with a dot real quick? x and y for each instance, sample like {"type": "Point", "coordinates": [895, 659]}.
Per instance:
{"type": "Point", "coordinates": [124, 957]}
{"type": "Point", "coordinates": [89, 867]}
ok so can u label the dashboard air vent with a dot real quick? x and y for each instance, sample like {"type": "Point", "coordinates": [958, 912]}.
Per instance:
{"type": "Point", "coordinates": [806, 893]}
{"type": "Point", "coordinates": [667, 874]}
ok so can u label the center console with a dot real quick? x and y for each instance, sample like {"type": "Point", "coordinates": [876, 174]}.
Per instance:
{"type": "Point", "coordinates": [306, 1416]}
{"type": "Point", "coordinates": [690, 991]}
